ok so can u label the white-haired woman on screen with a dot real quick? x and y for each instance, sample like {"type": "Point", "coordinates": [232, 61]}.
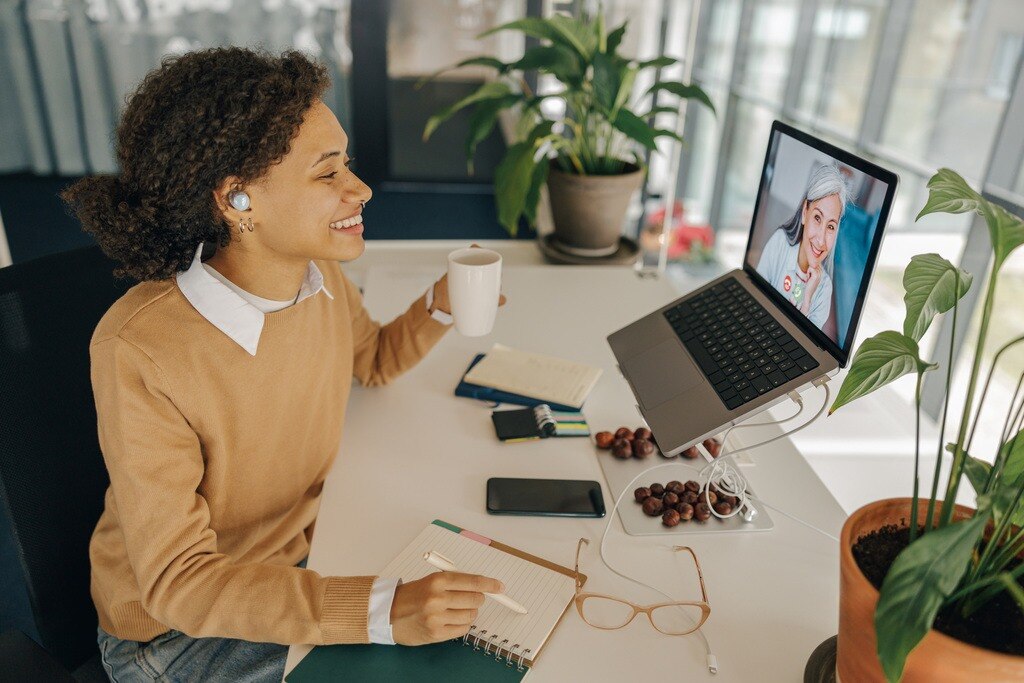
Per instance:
{"type": "Point", "coordinates": [798, 258]}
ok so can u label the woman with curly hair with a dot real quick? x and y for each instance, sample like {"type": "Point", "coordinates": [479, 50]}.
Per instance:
{"type": "Point", "coordinates": [221, 383]}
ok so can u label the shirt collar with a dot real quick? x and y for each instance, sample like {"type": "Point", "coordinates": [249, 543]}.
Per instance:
{"type": "Point", "coordinates": [229, 312]}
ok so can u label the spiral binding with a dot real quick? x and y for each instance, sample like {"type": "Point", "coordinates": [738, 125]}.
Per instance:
{"type": "Point", "coordinates": [546, 422]}
{"type": "Point", "coordinates": [474, 639]}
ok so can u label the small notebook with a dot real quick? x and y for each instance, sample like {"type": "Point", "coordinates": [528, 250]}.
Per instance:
{"type": "Point", "coordinates": [500, 646]}
{"type": "Point", "coordinates": [548, 378]}
{"type": "Point", "coordinates": [482, 393]}
{"type": "Point", "coordinates": [538, 422]}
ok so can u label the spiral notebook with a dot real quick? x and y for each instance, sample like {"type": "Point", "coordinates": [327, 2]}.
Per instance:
{"type": "Point", "coordinates": [500, 646]}
{"type": "Point", "coordinates": [538, 422]}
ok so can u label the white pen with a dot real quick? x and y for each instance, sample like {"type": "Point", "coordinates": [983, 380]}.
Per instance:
{"type": "Point", "coordinates": [438, 560]}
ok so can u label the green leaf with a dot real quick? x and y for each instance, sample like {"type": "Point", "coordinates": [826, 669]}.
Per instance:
{"type": "Point", "coordinates": [1005, 230]}
{"type": "Point", "coordinates": [1013, 453]}
{"type": "Point", "coordinates": [558, 32]}
{"type": "Point", "coordinates": [615, 38]}
{"type": "Point", "coordinates": [880, 360]}
{"type": "Point", "coordinates": [540, 176]}
{"type": "Point", "coordinates": [580, 30]}
{"type": "Point", "coordinates": [977, 471]}
{"type": "Point", "coordinates": [512, 183]}
{"type": "Point", "coordinates": [514, 176]}
{"type": "Point", "coordinates": [1009, 478]}
{"type": "Point", "coordinates": [1013, 588]}
{"type": "Point", "coordinates": [501, 66]}
{"type": "Point", "coordinates": [489, 90]}
{"type": "Point", "coordinates": [685, 91]}
{"type": "Point", "coordinates": [948, 192]}
{"type": "Point", "coordinates": [635, 128]}
{"type": "Point", "coordinates": [919, 581]}
{"type": "Point", "coordinates": [482, 121]}
{"type": "Point", "coordinates": [931, 288]}
{"type": "Point", "coordinates": [606, 81]}
{"type": "Point", "coordinates": [661, 110]}
{"type": "Point", "coordinates": [553, 59]}
{"type": "Point", "coordinates": [659, 62]}
{"type": "Point", "coordinates": [662, 133]}
{"type": "Point", "coordinates": [627, 76]}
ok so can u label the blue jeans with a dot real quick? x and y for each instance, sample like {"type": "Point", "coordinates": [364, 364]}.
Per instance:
{"type": "Point", "coordinates": [174, 656]}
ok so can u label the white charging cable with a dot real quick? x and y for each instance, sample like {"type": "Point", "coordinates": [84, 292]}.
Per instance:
{"type": "Point", "coordinates": [712, 661]}
{"type": "Point", "coordinates": [727, 479]}
{"type": "Point", "coordinates": [730, 482]}
{"type": "Point", "coordinates": [735, 482]}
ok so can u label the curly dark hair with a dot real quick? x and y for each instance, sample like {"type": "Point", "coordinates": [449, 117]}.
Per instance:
{"type": "Point", "coordinates": [193, 122]}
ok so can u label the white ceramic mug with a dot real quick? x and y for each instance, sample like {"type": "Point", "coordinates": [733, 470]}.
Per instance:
{"type": "Point", "coordinates": [474, 285]}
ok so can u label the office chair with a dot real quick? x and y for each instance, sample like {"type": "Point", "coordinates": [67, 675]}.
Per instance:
{"type": "Point", "coordinates": [52, 476]}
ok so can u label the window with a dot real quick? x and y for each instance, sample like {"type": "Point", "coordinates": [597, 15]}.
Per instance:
{"type": "Point", "coordinates": [1004, 62]}
{"type": "Point", "coordinates": [425, 37]}
{"type": "Point", "coordinates": [769, 50]}
{"type": "Point", "coordinates": [844, 39]}
{"type": "Point", "coordinates": [943, 110]}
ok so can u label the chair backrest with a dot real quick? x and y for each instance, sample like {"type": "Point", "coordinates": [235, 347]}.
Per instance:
{"type": "Point", "coordinates": [52, 477]}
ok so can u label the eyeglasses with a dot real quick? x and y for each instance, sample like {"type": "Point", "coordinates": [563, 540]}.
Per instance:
{"type": "Point", "coordinates": [671, 618]}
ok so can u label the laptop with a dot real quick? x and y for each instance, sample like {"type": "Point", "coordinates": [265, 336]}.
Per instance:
{"type": "Point", "coordinates": [787, 319]}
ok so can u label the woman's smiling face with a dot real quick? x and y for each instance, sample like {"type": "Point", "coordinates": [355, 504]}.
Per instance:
{"type": "Point", "coordinates": [309, 202]}
{"type": "Point", "coordinates": [821, 225]}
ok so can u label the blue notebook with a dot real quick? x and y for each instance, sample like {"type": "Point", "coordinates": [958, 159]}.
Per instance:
{"type": "Point", "coordinates": [481, 393]}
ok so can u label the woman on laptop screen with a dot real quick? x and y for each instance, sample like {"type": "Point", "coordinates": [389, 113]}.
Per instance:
{"type": "Point", "coordinates": [799, 256]}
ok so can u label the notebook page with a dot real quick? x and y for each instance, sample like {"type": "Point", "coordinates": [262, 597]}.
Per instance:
{"type": "Point", "coordinates": [543, 592]}
{"type": "Point", "coordinates": [535, 375]}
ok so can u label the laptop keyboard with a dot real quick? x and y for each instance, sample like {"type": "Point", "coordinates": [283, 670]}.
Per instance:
{"type": "Point", "coordinates": [742, 350]}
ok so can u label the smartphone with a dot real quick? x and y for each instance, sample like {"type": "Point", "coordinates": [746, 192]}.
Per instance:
{"type": "Point", "coordinates": [544, 497]}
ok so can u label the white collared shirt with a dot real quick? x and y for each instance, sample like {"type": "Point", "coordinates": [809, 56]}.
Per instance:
{"type": "Point", "coordinates": [232, 310]}
{"type": "Point", "coordinates": [240, 315]}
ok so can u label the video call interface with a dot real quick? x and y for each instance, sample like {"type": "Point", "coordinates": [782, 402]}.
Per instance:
{"type": "Point", "coordinates": [813, 231]}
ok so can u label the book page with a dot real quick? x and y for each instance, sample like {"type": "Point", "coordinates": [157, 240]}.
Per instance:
{"type": "Point", "coordinates": [535, 375]}
{"type": "Point", "coordinates": [543, 592]}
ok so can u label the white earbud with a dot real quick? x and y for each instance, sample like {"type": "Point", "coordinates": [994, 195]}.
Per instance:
{"type": "Point", "coordinates": [239, 200]}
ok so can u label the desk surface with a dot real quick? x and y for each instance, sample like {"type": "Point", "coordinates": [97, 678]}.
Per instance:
{"type": "Point", "coordinates": [413, 452]}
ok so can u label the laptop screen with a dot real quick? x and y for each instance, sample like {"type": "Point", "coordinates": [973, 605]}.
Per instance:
{"type": "Point", "coordinates": [816, 230]}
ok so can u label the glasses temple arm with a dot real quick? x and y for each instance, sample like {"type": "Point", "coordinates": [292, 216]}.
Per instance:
{"type": "Point", "coordinates": [696, 562]}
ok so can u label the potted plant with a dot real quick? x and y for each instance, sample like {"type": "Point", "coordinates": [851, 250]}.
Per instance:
{"type": "Point", "coordinates": [588, 158]}
{"type": "Point", "coordinates": [930, 590]}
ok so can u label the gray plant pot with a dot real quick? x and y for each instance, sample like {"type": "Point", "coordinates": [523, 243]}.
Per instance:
{"type": "Point", "coordinates": [588, 211]}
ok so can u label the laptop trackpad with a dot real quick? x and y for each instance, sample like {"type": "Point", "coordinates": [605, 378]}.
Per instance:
{"type": "Point", "coordinates": [662, 372]}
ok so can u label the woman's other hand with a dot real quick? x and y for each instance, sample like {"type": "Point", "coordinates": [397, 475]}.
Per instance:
{"type": "Point", "coordinates": [441, 300]}
{"type": "Point", "coordinates": [438, 607]}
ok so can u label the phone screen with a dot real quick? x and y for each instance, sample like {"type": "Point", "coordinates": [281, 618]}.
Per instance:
{"type": "Point", "coordinates": [548, 497]}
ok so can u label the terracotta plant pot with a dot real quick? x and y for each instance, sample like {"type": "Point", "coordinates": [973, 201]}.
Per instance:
{"type": "Point", "coordinates": [588, 211]}
{"type": "Point", "coordinates": [937, 657]}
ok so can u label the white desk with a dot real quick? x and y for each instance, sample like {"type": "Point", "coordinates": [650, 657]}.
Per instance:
{"type": "Point", "coordinates": [413, 452]}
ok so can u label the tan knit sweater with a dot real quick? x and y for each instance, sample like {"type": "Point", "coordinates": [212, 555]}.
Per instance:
{"type": "Point", "coordinates": [217, 459]}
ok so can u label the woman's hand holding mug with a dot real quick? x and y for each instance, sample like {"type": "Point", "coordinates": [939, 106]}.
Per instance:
{"type": "Point", "coordinates": [470, 290]}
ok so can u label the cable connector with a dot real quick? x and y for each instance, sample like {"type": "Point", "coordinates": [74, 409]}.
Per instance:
{"type": "Point", "coordinates": [712, 664]}
{"type": "Point", "coordinates": [794, 396]}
